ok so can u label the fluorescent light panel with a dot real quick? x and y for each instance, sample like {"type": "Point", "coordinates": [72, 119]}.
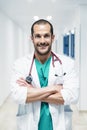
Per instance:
{"type": "Point", "coordinates": [37, 18]}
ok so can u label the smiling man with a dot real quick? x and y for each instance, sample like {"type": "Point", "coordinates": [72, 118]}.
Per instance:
{"type": "Point", "coordinates": [51, 86]}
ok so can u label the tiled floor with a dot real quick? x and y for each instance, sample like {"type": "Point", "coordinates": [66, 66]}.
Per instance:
{"type": "Point", "coordinates": [9, 109]}
{"type": "Point", "coordinates": [79, 119]}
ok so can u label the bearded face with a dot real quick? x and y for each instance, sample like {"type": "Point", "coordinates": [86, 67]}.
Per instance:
{"type": "Point", "coordinates": [42, 39]}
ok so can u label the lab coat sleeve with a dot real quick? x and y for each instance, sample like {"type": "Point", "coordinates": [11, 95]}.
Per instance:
{"type": "Point", "coordinates": [18, 93]}
{"type": "Point", "coordinates": [70, 91]}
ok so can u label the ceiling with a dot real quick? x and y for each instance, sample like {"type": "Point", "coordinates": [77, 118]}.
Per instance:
{"type": "Point", "coordinates": [22, 11]}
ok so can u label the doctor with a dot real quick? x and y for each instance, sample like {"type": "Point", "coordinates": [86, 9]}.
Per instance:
{"type": "Point", "coordinates": [44, 84]}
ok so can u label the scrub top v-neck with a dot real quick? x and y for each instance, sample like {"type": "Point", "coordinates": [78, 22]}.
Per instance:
{"type": "Point", "coordinates": [45, 122]}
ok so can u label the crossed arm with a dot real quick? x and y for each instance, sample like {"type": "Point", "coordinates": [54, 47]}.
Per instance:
{"type": "Point", "coordinates": [49, 94]}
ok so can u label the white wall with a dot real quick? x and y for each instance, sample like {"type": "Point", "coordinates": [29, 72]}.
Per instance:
{"type": "Point", "coordinates": [83, 58]}
{"type": "Point", "coordinates": [12, 43]}
{"type": "Point", "coordinates": [74, 24]}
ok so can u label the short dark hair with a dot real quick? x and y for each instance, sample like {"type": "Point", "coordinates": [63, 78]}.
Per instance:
{"type": "Point", "coordinates": [41, 21]}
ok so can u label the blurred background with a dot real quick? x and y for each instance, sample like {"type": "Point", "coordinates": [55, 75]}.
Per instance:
{"type": "Point", "coordinates": [69, 18]}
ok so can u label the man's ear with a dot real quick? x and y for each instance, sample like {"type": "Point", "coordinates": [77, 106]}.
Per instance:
{"type": "Point", "coordinates": [53, 37]}
{"type": "Point", "coordinates": [31, 37]}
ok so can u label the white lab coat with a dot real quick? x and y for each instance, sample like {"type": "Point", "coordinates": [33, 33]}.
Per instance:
{"type": "Point", "coordinates": [28, 114]}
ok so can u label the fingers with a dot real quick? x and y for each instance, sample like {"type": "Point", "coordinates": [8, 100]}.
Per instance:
{"type": "Point", "coordinates": [21, 82]}
{"type": "Point", "coordinates": [60, 86]}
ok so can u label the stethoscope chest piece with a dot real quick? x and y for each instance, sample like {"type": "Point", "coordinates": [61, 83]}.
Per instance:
{"type": "Point", "coordinates": [29, 79]}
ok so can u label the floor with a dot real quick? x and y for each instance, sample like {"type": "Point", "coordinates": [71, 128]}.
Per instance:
{"type": "Point", "coordinates": [9, 109]}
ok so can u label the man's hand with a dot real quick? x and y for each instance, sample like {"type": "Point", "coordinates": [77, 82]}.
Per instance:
{"type": "Point", "coordinates": [22, 82]}
{"type": "Point", "coordinates": [57, 87]}
{"type": "Point", "coordinates": [55, 98]}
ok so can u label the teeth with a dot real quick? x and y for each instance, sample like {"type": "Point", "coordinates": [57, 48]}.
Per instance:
{"type": "Point", "coordinates": [42, 46]}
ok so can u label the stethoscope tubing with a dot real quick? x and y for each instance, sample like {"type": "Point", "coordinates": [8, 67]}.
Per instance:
{"type": "Point", "coordinates": [54, 58]}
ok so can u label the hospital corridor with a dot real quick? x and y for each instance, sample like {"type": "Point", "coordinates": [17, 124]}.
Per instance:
{"type": "Point", "coordinates": [17, 39]}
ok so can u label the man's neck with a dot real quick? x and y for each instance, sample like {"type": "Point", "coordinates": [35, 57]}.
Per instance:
{"type": "Point", "coordinates": [42, 58]}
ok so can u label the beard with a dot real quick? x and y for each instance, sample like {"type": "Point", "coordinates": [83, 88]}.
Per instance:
{"type": "Point", "coordinates": [42, 45]}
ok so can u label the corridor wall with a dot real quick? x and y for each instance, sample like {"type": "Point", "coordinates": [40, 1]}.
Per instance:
{"type": "Point", "coordinates": [12, 44]}
{"type": "Point", "coordinates": [83, 57]}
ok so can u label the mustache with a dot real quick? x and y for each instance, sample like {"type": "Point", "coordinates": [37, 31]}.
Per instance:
{"type": "Point", "coordinates": [42, 44]}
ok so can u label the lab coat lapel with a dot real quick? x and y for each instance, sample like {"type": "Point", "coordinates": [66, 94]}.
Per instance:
{"type": "Point", "coordinates": [35, 76]}
{"type": "Point", "coordinates": [55, 74]}
{"type": "Point", "coordinates": [51, 78]}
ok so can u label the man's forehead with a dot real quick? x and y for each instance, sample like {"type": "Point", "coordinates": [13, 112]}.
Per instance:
{"type": "Point", "coordinates": [42, 26]}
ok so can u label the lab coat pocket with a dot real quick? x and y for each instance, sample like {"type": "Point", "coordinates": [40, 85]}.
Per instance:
{"type": "Point", "coordinates": [58, 79]}
{"type": "Point", "coordinates": [22, 122]}
{"type": "Point", "coordinates": [68, 119]}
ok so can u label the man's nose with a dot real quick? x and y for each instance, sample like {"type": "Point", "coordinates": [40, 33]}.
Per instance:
{"type": "Point", "coordinates": [42, 39]}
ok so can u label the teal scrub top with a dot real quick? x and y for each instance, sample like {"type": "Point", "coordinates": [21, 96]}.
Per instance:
{"type": "Point", "coordinates": [45, 122]}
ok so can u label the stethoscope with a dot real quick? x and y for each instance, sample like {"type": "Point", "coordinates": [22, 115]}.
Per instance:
{"type": "Point", "coordinates": [54, 58]}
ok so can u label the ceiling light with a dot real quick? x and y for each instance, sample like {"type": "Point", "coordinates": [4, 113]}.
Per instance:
{"type": "Point", "coordinates": [49, 17]}
{"type": "Point", "coordinates": [35, 18]}
{"type": "Point", "coordinates": [73, 31]}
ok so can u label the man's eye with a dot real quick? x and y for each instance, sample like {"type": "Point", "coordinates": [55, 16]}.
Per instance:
{"type": "Point", "coordinates": [37, 36]}
{"type": "Point", "coordinates": [47, 36]}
